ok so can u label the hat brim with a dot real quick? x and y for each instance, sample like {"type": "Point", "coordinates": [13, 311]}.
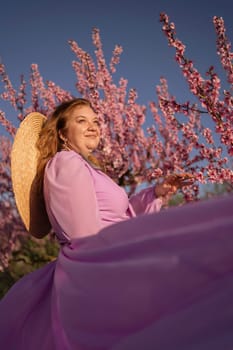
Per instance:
{"type": "Point", "coordinates": [24, 157]}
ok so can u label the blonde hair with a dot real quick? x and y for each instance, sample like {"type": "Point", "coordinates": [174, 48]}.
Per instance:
{"type": "Point", "coordinates": [49, 142]}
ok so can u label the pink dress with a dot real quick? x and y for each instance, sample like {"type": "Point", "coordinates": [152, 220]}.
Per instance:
{"type": "Point", "coordinates": [126, 277]}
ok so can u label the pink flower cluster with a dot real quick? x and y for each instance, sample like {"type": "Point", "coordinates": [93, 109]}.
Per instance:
{"type": "Point", "coordinates": [207, 90]}
{"type": "Point", "coordinates": [11, 227]}
{"type": "Point", "coordinates": [224, 48]}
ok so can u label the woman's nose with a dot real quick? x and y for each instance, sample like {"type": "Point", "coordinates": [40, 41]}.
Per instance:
{"type": "Point", "coordinates": [92, 126]}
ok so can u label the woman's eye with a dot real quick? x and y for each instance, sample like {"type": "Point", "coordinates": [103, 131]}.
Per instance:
{"type": "Point", "coordinates": [97, 122]}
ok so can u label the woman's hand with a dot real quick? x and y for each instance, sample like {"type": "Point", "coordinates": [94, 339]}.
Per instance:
{"type": "Point", "coordinates": [171, 184]}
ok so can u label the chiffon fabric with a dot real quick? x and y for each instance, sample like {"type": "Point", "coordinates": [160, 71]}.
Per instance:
{"type": "Point", "coordinates": [128, 276]}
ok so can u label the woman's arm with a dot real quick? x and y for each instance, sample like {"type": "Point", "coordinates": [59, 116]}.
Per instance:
{"type": "Point", "coordinates": [145, 201]}
{"type": "Point", "coordinates": [153, 198]}
{"type": "Point", "coordinates": [70, 195]}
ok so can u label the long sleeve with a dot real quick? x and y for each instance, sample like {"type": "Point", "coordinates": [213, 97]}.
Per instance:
{"type": "Point", "coordinates": [70, 196]}
{"type": "Point", "coordinates": [145, 202]}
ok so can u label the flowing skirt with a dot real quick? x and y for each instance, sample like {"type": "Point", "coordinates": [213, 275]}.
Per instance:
{"type": "Point", "coordinates": [158, 281]}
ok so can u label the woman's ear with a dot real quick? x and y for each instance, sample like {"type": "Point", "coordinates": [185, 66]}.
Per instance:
{"type": "Point", "coordinates": [61, 136]}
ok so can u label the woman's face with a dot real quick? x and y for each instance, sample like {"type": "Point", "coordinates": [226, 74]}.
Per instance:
{"type": "Point", "coordinates": [82, 130]}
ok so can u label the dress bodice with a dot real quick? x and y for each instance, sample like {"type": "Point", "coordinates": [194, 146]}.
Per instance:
{"type": "Point", "coordinates": [113, 202]}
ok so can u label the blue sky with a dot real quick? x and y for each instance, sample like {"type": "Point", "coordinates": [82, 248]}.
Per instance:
{"type": "Point", "coordinates": [38, 32]}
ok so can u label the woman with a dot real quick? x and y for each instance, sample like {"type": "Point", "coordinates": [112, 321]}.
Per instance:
{"type": "Point", "coordinates": [66, 144]}
{"type": "Point", "coordinates": [158, 281]}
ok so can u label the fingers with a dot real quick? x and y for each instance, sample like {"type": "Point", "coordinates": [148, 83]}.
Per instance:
{"type": "Point", "coordinates": [172, 183]}
{"type": "Point", "coordinates": [179, 180]}
{"type": "Point", "coordinates": [165, 189]}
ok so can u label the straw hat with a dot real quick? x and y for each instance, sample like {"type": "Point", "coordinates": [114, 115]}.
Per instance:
{"type": "Point", "coordinates": [24, 155]}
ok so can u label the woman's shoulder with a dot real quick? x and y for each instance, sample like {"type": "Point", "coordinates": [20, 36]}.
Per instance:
{"type": "Point", "coordinates": [65, 157]}
{"type": "Point", "coordinates": [68, 161]}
